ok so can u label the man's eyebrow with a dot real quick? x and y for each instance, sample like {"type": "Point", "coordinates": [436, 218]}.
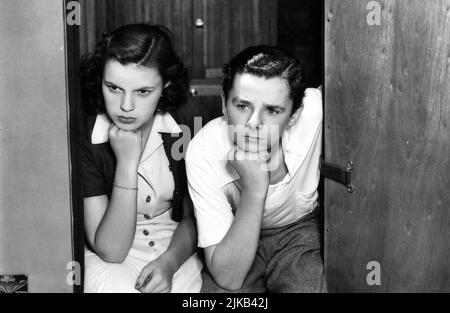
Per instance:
{"type": "Point", "coordinates": [274, 106]}
{"type": "Point", "coordinates": [237, 99]}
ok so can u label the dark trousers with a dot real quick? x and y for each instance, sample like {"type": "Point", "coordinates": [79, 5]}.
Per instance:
{"type": "Point", "coordinates": [287, 260]}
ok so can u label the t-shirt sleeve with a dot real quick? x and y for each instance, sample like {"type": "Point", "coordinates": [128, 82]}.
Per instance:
{"type": "Point", "coordinates": [212, 210]}
{"type": "Point", "coordinates": [307, 130]}
{"type": "Point", "coordinates": [93, 182]}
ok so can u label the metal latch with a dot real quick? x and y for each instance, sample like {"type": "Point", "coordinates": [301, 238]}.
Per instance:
{"type": "Point", "coordinates": [338, 173]}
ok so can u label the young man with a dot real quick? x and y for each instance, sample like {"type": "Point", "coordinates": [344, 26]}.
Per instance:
{"type": "Point", "coordinates": [253, 175]}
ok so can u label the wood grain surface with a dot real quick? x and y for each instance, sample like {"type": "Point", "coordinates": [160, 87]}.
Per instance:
{"type": "Point", "coordinates": [229, 26]}
{"type": "Point", "coordinates": [387, 94]}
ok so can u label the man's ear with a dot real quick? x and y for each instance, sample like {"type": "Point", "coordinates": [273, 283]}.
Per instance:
{"type": "Point", "coordinates": [294, 118]}
{"type": "Point", "coordinates": [224, 104]}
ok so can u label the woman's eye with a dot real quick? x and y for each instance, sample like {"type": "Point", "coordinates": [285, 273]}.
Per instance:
{"type": "Point", "coordinates": [113, 88]}
{"type": "Point", "coordinates": [242, 106]}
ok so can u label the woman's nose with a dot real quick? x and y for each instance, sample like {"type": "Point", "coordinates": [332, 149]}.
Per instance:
{"type": "Point", "coordinates": [127, 104]}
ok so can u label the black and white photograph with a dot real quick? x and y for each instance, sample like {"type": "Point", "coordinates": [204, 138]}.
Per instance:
{"type": "Point", "coordinates": [224, 150]}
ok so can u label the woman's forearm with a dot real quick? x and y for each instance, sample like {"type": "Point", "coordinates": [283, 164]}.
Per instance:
{"type": "Point", "coordinates": [183, 243]}
{"type": "Point", "coordinates": [115, 233]}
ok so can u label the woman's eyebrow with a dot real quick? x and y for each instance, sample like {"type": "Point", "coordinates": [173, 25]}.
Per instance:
{"type": "Point", "coordinates": [140, 88]}
{"type": "Point", "coordinates": [145, 87]}
{"type": "Point", "coordinates": [110, 83]}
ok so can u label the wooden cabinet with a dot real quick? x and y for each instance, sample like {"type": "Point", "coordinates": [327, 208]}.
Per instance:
{"type": "Point", "coordinates": [101, 16]}
{"type": "Point", "coordinates": [229, 27]}
{"type": "Point", "coordinates": [387, 95]}
{"type": "Point", "coordinates": [208, 32]}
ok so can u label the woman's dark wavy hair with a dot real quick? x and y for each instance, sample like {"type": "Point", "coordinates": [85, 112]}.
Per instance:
{"type": "Point", "coordinates": [147, 45]}
{"type": "Point", "coordinates": [268, 62]}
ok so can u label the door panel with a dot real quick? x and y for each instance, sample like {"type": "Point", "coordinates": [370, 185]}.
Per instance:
{"type": "Point", "coordinates": [99, 16]}
{"type": "Point", "coordinates": [387, 95]}
{"type": "Point", "coordinates": [231, 26]}
{"type": "Point", "coordinates": [228, 26]}
{"type": "Point", "coordinates": [35, 198]}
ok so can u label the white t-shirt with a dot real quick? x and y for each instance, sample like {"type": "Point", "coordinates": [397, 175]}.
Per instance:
{"type": "Point", "coordinates": [214, 184]}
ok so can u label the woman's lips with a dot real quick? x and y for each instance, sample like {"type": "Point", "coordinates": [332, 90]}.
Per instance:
{"type": "Point", "coordinates": [126, 120]}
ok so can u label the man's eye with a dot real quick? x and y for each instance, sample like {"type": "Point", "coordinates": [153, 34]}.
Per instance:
{"type": "Point", "coordinates": [144, 92]}
{"type": "Point", "coordinates": [242, 106]}
{"type": "Point", "coordinates": [273, 111]}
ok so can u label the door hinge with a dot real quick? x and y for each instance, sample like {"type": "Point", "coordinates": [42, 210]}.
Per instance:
{"type": "Point", "coordinates": [338, 173]}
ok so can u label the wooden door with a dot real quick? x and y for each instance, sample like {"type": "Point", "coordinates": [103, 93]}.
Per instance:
{"type": "Point", "coordinates": [207, 32]}
{"type": "Point", "coordinates": [387, 109]}
{"type": "Point", "coordinates": [227, 27]}
{"type": "Point", "coordinates": [99, 16]}
{"type": "Point", "coordinates": [35, 193]}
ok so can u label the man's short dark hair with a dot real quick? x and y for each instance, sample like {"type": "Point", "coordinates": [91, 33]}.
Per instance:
{"type": "Point", "coordinates": [267, 62]}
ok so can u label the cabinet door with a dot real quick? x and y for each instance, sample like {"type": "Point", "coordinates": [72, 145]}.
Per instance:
{"type": "Point", "coordinates": [225, 27]}
{"type": "Point", "coordinates": [387, 95]}
{"type": "Point", "coordinates": [101, 16]}
{"type": "Point", "coordinates": [208, 32]}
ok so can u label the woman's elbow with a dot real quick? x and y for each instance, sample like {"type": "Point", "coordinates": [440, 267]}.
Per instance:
{"type": "Point", "coordinates": [108, 252]}
{"type": "Point", "coordinates": [228, 282]}
{"type": "Point", "coordinates": [111, 256]}
{"type": "Point", "coordinates": [190, 219]}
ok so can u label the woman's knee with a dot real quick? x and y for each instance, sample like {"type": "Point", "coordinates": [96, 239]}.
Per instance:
{"type": "Point", "coordinates": [109, 277]}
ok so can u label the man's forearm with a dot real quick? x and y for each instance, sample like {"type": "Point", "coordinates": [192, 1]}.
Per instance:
{"type": "Point", "coordinates": [234, 255]}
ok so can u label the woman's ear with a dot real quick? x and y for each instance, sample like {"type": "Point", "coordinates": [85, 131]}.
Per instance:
{"type": "Point", "coordinates": [294, 118]}
{"type": "Point", "coordinates": [167, 84]}
{"type": "Point", "coordinates": [224, 104]}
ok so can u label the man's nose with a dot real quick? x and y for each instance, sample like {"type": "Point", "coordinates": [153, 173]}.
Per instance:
{"type": "Point", "coordinates": [255, 120]}
{"type": "Point", "coordinates": [127, 104]}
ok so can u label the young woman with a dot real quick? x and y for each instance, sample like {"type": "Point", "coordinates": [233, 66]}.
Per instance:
{"type": "Point", "coordinates": [139, 224]}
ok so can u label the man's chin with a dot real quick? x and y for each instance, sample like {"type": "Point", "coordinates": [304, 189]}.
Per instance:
{"type": "Point", "coordinates": [252, 147]}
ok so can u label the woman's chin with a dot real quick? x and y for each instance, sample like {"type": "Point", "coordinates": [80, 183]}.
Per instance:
{"type": "Point", "coordinates": [128, 127]}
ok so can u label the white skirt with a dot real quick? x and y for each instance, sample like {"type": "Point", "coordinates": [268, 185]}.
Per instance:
{"type": "Point", "coordinates": [151, 240]}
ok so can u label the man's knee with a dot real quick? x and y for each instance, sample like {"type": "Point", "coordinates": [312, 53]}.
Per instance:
{"type": "Point", "coordinates": [300, 274]}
